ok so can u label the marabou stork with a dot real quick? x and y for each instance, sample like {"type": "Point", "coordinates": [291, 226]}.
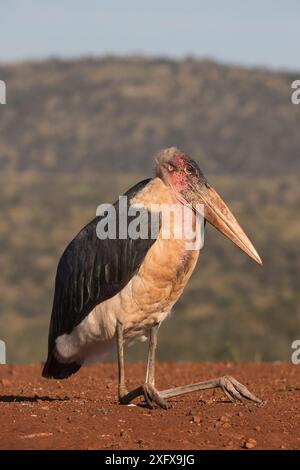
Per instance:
{"type": "Point", "coordinates": [110, 291]}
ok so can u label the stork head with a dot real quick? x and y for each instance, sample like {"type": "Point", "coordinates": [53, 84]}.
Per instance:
{"type": "Point", "coordinates": [184, 177]}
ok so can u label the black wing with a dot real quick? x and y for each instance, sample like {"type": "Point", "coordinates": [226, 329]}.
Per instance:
{"type": "Point", "coordinates": [92, 270]}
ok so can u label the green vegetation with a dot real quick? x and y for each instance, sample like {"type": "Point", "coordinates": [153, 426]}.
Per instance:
{"type": "Point", "coordinates": [79, 133]}
{"type": "Point", "coordinates": [115, 113]}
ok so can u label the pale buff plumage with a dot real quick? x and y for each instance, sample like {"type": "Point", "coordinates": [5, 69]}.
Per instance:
{"type": "Point", "coordinates": [146, 300]}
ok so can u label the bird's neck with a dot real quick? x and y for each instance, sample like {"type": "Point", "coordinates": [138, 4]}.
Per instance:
{"type": "Point", "coordinates": [178, 221]}
{"type": "Point", "coordinates": [156, 192]}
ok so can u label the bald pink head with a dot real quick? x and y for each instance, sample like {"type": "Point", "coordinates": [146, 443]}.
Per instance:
{"type": "Point", "coordinates": [177, 169]}
{"type": "Point", "coordinates": [184, 177]}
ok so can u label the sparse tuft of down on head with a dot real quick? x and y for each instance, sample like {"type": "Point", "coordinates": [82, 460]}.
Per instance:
{"type": "Point", "coordinates": [165, 156]}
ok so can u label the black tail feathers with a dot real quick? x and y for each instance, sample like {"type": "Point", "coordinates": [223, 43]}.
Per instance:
{"type": "Point", "coordinates": [53, 369]}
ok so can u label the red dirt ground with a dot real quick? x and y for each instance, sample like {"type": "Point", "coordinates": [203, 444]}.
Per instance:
{"type": "Point", "coordinates": [82, 412]}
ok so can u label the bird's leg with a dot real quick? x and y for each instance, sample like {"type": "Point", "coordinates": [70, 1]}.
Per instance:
{"type": "Point", "coordinates": [148, 390]}
{"type": "Point", "coordinates": [150, 393]}
{"type": "Point", "coordinates": [122, 390]}
{"type": "Point", "coordinates": [150, 374]}
{"type": "Point", "coordinates": [233, 389]}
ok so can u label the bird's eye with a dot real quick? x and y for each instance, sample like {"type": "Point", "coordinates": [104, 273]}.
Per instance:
{"type": "Point", "coordinates": [170, 167]}
{"type": "Point", "coordinates": [188, 170]}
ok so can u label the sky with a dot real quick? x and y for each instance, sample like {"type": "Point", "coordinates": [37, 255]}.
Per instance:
{"type": "Point", "coordinates": [260, 32]}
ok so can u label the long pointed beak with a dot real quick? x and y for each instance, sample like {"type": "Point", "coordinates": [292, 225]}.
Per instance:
{"type": "Point", "coordinates": [219, 215]}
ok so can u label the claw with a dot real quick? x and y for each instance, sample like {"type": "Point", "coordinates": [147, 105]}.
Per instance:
{"type": "Point", "coordinates": [245, 392]}
{"type": "Point", "coordinates": [228, 395]}
{"type": "Point", "coordinates": [235, 390]}
{"type": "Point", "coordinates": [151, 396]}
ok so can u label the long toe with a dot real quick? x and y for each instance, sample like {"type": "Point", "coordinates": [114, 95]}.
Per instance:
{"type": "Point", "coordinates": [234, 390]}
{"type": "Point", "coordinates": [152, 396]}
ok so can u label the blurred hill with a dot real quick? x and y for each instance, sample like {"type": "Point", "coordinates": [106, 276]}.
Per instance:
{"type": "Point", "coordinates": [101, 113]}
{"type": "Point", "coordinates": [78, 133]}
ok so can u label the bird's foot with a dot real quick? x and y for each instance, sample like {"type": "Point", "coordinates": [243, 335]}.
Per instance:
{"type": "Point", "coordinates": [152, 395]}
{"type": "Point", "coordinates": [148, 391]}
{"type": "Point", "coordinates": [234, 390]}
{"type": "Point", "coordinates": [123, 393]}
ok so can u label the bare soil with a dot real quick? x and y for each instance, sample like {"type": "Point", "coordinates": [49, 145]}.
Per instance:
{"type": "Point", "coordinates": [83, 413]}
